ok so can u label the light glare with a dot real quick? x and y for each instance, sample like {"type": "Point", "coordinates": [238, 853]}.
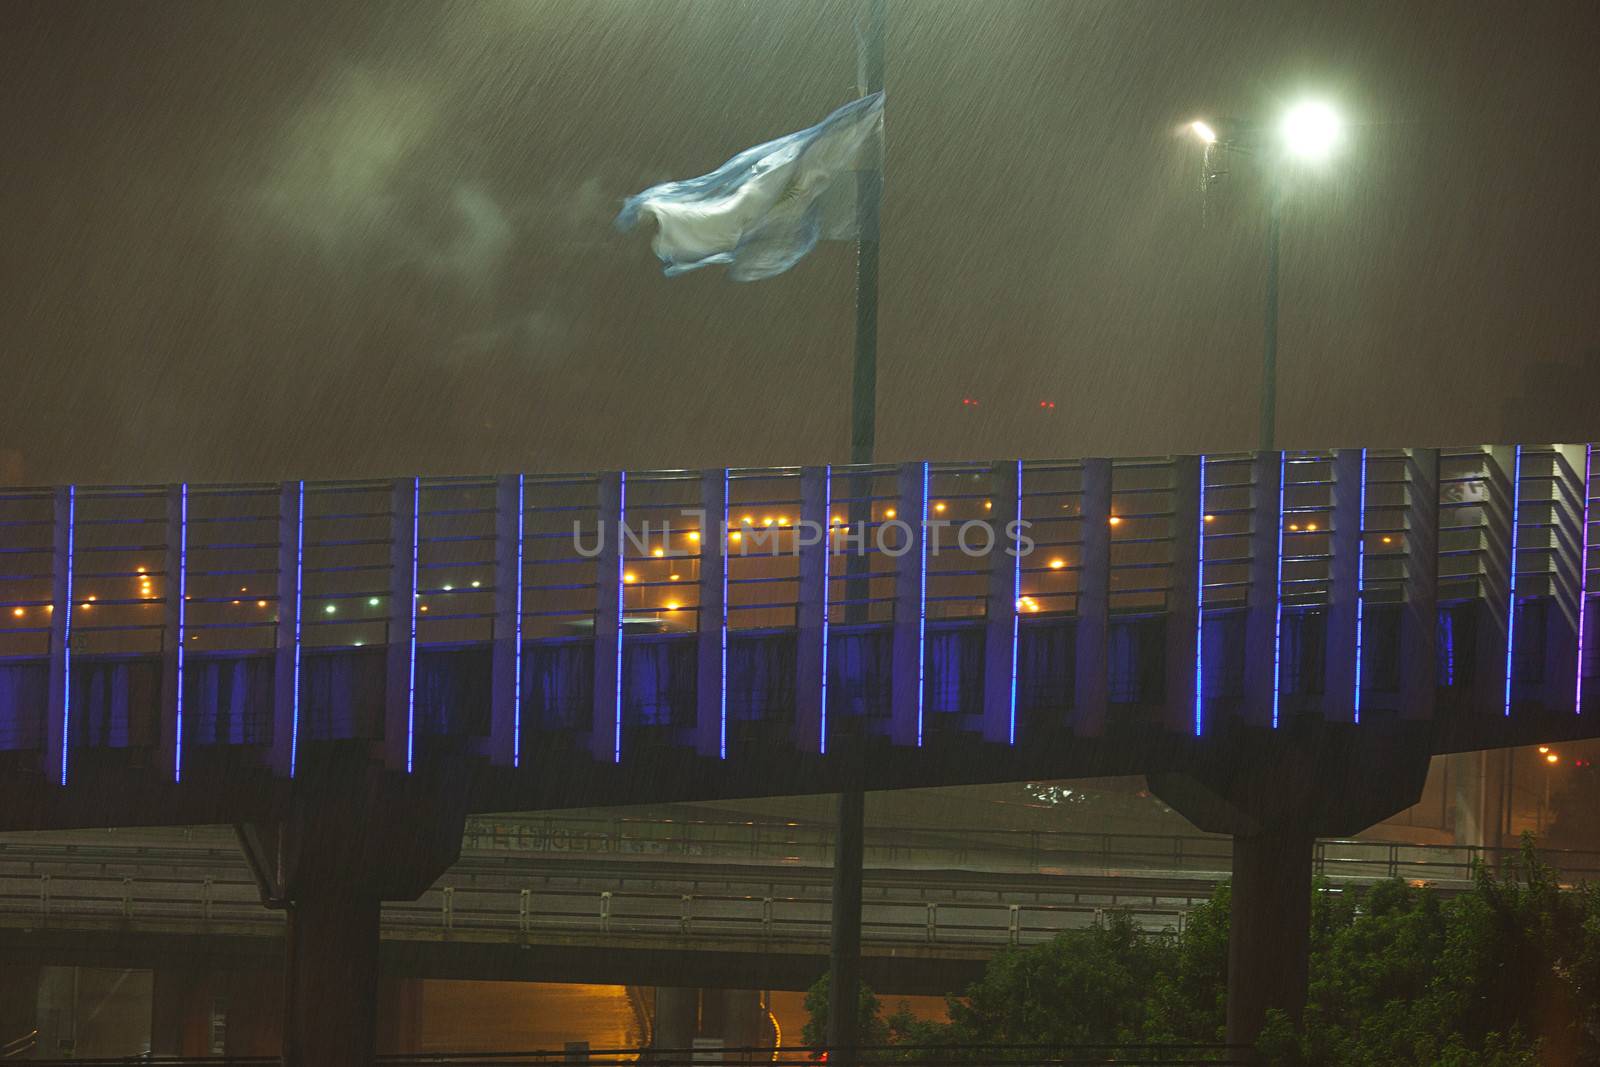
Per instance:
{"type": "Point", "coordinates": [1311, 130]}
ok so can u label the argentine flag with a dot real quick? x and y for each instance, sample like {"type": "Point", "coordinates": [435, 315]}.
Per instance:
{"type": "Point", "coordinates": [764, 209]}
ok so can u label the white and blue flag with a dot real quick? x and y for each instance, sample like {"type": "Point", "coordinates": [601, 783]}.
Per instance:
{"type": "Point", "coordinates": [764, 209]}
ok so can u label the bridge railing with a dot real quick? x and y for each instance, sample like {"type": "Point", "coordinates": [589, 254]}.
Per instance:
{"type": "Point", "coordinates": [256, 618]}
{"type": "Point", "coordinates": [983, 848]}
{"type": "Point", "coordinates": [471, 909]}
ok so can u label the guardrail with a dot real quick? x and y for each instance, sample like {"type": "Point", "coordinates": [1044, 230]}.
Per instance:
{"type": "Point", "coordinates": [1037, 851]}
{"type": "Point", "coordinates": [231, 905]}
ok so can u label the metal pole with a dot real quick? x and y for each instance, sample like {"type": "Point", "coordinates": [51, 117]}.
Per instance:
{"type": "Point", "coordinates": [844, 1001]}
{"type": "Point", "coordinates": [864, 392]}
{"type": "Point", "coordinates": [845, 948]}
{"type": "Point", "coordinates": [1269, 350]}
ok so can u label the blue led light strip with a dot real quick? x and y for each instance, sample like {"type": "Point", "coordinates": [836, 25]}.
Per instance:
{"type": "Point", "coordinates": [516, 654]}
{"type": "Point", "coordinates": [411, 686]}
{"type": "Point", "coordinates": [1511, 599]}
{"type": "Point", "coordinates": [1361, 577]}
{"type": "Point", "coordinates": [1583, 575]}
{"type": "Point", "coordinates": [922, 601]}
{"type": "Point", "coordinates": [1016, 599]}
{"type": "Point", "coordinates": [1200, 611]}
{"type": "Point", "coordinates": [299, 583]}
{"type": "Point", "coordinates": [622, 511]}
{"type": "Point", "coordinates": [827, 563]}
{"type": "Point", "coordinates": [183, 586]}
{"type": "Point", "coordinates": [1277, 592]}
{"type": "Point", "coordinates": [66, 634]}
{"type": "Point", "coordinates": [722, 557]}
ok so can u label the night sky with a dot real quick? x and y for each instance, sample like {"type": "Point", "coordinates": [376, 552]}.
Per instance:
{"type": "Point", "coordinates": [245, 241]}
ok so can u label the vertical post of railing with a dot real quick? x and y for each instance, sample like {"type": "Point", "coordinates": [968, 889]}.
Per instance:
{"type": "Point", "coordinates": [400, 653]}
{"type": "Point", "coordinates": [505, 689]}
{"type": "Point", "coordinates": [286, 637]}
{"type": "Point", "coordinates": [1094, 601]}
{"type": "Point", "coordinates": [58, 710]}
{"type": "Point", "coordinates": [711, 650]}
{"type": "Point", "coordinates": [605, 740]}
{"type": "Point", "coordinates": [1183, 601]}
{"type": "Point", "coordinates": [1494, 644]}
{"type": "Point", "coordinates": [1263, 618]}
{"type": "Point", "coordinates": [1419, 625]}
{"type": "Point", "coordinates": [174, 563]}
{"type": "Point", "coordinates": [1339, 701]}
{"type": "Point", "coordinates": [1569, 491]}
{"type": "Point", "coordinates": [910, 605]}
{"type": "Point", "coordinates": [1000, 615]}
{"type": "Point", "coordinates": [811, 615]}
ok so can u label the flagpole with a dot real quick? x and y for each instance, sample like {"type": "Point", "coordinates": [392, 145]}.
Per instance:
{"type": "Point", "coordinates": [844, 959]}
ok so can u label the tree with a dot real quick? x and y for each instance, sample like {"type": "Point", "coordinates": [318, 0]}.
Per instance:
{"type": "Point", "coordinates": [874, 1031]}
{"type": "Point", "coordinates": [1082, 987]}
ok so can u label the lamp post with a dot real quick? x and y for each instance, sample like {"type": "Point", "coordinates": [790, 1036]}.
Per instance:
{"type": "Point", "coordinates": [1309, 131]}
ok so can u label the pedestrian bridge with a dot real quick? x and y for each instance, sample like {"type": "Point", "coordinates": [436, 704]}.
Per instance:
{"type": "Point", "coordinates": [185, 653]}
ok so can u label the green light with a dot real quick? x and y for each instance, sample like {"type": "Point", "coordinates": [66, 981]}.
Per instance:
{"type": "Point", "coordinates": [372, 601]}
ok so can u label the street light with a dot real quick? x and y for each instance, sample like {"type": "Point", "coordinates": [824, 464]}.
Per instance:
{"type": "Point", "coordinates": [1310, 131]}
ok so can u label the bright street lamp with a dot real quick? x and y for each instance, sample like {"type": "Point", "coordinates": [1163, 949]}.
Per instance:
{"type": "Point", "coordinates": [1310, 130]}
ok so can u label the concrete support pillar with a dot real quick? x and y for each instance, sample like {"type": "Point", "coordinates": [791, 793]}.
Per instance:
{"type": "Point", "coordinates": [605, 736]}
{"type": "Point", "coordinates": [56, 1012]}
{"type": "Point", "coordinates": [254, 1012]}
{"type": "Point", "coordinates": [711, 652]}
{"type": "Point", "coordinates": [910, 621]}
{"type": "Point", "coordinates": [844, 963]}
{"type": "Point", "coordinates": [354, 836]}
{"type": "Point", "coordinates": [1000, 607]}
{"type": "Point", "coordinates": [1094, 602]}
{"type": "Point", "coordinates": [1269, 941]}
{"type": "Point", "coordinates": [735, 1016]}
{"type": "Point", "coordinates": [677, 1020]}
{"type": "Point", "coordinates": [1274, 792]}
{"type": "Point", "coordinates": [286, 639]}
{"type": "Point", "coordinates": [400, 1016]}
{"type": "Point", "coordinates": [811, 614]}
{"type": "Point", "coordinates": [1473, 823]}
{"type": "Point", "coordinates": [399, 700]}
{"type": "Point", "coordinates": [506, 653]}
{"type": "Point", "coordinates": [331, 979]}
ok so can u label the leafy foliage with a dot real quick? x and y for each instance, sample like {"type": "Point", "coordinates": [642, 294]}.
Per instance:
{"type": "Point", "coordinates": [1506, 974]}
